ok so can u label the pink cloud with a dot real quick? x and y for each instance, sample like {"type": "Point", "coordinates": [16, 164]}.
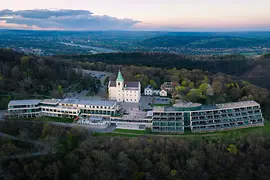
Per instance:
{"type": "Point", "coordinates": [4, 24]}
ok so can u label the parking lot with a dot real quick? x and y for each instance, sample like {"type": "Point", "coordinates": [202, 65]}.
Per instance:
{"type": "Point", "coordinates": [101, 75]}
{"type": "Point", "coordinates": [146, 102]}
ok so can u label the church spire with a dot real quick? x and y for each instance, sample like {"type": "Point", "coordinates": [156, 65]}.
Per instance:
{"type": "Point", "coordinates": [120, 77]}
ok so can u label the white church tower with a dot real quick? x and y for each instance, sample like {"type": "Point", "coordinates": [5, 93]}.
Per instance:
{"type": "Point", "coordinates": [122, 91]}
{"type": "Point", "coordinates": [120, 87]}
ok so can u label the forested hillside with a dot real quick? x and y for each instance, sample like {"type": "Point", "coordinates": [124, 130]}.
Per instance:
{"type": "Point", "coordinates": [76, 154]}
{"type": "Point", "coordinates": [203, 42]}
{"type": "Point", "coordinates": [255, 70]}
{"type": "Point", "coordinates": [24, 76]}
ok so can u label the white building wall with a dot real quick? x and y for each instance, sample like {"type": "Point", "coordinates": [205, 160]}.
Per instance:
{"type": "Point", "coordinates": [113, 93]}
{"type": "Point", "coordinates": [148, 92]}
{"type": "Point", "coordinates": [120, 94]}
{"type": "Point", "coordinates": [163, 93]}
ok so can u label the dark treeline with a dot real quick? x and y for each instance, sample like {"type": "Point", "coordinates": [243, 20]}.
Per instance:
{"type": "Point", "coordinates": [82, 156]}
{"type": "Point", "coordinates": [230, 64]}
{"type": "Point", "coordinates": [254, 70]}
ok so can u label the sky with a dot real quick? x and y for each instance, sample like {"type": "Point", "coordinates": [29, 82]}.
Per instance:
{"type": "Point", "coordinates": [161, 15]}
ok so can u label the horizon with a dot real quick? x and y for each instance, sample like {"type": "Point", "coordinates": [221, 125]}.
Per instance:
{"type": "Point", "coordinates": [130, 15]}
{"type": "Point", "coordinates": [156, 31]}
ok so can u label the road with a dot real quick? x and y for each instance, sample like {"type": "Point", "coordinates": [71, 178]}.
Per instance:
{"type": "Point", "coordinates": [20, 139]}
{"type": "Point", "coordinates": [2, 112]}
{"type": "Point", "coordinates": [20, 156]}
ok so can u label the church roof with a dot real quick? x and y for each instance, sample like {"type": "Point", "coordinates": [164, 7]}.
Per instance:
{"type": "Point", "coordinates": [127, 84]}
{"type": "Point", "coordinates": [112, 84]}
{"type": "Point", "coordinates": [132, 84]}
{"type": "Point", "coordinates": [120, 77]}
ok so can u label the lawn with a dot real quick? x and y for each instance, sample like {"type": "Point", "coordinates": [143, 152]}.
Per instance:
{"type": "Point", "coordinates": [130, 131]}
{"type": "Point", "coordinates": [229, 134]}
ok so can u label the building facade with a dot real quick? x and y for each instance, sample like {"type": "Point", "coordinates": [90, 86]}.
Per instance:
{"type": "Point", "coordinates": [150, 91]}
{"type": "Point", "coordinates": [124, 91]}
{"type": "Point", "coordinates": [68, 108]}
{"type": "Point", "coordinates": [197, 118]}
{"type": "Point", "coordinates": [24, 108]}
{"type": "Point", "coordinates": [167, 120]}
{"type": "Point", "coordinates": [169, 86]}
{"type": "Point", "coordinates": [163, 93]}
{"type": "Point", "coordinates": [226, 117]}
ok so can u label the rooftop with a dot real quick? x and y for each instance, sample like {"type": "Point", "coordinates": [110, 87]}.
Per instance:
{"type": "Point", "coordinates": [24, 102]}
{"type": "Point", "coordinates": [51, 101]}
{"type": "Point", "coordinates": [238, 104]}
{"type": "Point", "coordinates": [88, 102]}
{"type": "Point", "coordinates": [112, 84]}
{"type": "Point", "coordinates": [132, 84]}
{"type": "Point", "coordinates": [120, 77]}
{"type": "Point", "coordinates": [69, 101]}
{"type": "Point", "coordinates": [127, 84]}
{"type": "Point", "coordinates": [97, 102]}
{"type": "Point", "coordinates": [186, 105]}
{"type": "Point", "coordinates": [206, 107]}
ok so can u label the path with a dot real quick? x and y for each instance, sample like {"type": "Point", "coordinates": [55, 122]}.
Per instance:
{"type": "Point", "coordinates": [20, 139]}
{"type": "Point", "coordinates": [29, 155]}
{"type": "Point", "coordinates": [41, 153]}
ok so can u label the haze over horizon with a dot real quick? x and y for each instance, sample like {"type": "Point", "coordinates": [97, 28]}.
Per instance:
{"type": "Point", "coordinates": [156, 15]}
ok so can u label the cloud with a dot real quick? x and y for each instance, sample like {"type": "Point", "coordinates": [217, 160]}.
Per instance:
{"type": "Point", "coordinates": [62, 19]}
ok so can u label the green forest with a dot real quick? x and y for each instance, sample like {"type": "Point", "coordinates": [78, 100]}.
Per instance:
{"type": "Point", "coordinates": [73, 153]}
{"type": "Point", "coordinates": [24, 77]}
{"type": "Point", "coordinates": [251, 69]}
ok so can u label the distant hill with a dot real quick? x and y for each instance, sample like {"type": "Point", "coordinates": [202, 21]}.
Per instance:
{"type": "Point", "coordinates": [259, 74]}
{"type": "Point", "coordinates": [203, 42]}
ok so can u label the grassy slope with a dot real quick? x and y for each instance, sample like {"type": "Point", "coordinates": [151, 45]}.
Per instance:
{"type": "Point", "coordinates": [230, 134]}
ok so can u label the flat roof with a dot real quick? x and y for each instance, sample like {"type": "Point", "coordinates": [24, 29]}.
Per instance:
{"type": "Point", "coordinates": [24, 102]}
{"type": "Point", "coordinates": [88, 102]}
{"type": "Point", "coordinates": [51, 101]}
{"type": "Point", "coordinates": [69, 101]}
{"type": "Point", "coordinates": [237, 104]}
{"type": "Point", "coordinates": [211, 107]}
{"type": "Point", "coordinates": [186, 105]}
{"type": "Point", "coordinates": [164, 108]}
{"type": "Point", "coordinates": [97, 102]}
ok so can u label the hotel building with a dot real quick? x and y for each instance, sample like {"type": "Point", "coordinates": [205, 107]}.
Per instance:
{"type": "Point", "coordinates": [69, 108]}
{"type": "Point", "coordinates": [198, 118]}
{"type": "Point", "coordinates": [24, 108]}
